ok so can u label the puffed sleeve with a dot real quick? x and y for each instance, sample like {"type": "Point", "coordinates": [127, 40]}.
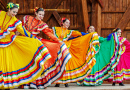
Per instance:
{"type": "Point", "coordinates": [126, 42]}
{"type": "Point", "coordinates": [49, 32]}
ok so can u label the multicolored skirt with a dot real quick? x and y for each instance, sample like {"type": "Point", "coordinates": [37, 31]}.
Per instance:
{"type": "Point", "coordinates": [54, 67]}
{"type": "Point", "coordinates": [106, 60]}
{"type": "Point", "coordinates": [82, 50]}
{"type": "Point", "coordinates": [22, 61]}
{"type": "Point", "coordinates": [122, 70]}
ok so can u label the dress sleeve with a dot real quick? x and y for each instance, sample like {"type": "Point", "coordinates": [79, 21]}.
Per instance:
{"type": "Point", "coordinates": [126, 42]}
{"type": "Point", "coordinates": [49, 32]}
{"type": "Point", "coordinates": [23, 31]}
{"type": "Point", "coordinates": [76, 33]}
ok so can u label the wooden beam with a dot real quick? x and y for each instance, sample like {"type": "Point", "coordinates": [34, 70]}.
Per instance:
{"type": "Point", "coordinates": [101, 3]}
{"type": "Point", "coordinates": [96, 16]}
{"type": "Point", "coordinates": [57, 17]}
{"type": "Point", "coordinates": [113, 11]}
{"type": "Point", "coordinates": [3, 4]}
{"type": "Point", "coordinates": [85, 14]}
{"type": "Point", "coordinates": [124, 20]}
{"type": "Point", "coordinates": [53, 4]}
{"type": "Point", "coordinates": [79, 15]}
{"type": "Point", "coordinates": [89, 1]}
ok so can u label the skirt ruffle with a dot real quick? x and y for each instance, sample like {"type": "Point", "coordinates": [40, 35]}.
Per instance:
{"type": "Point", "coordinates": [22, 61]}
{"type": "Point", "coordinates": [122, 70]}
{"type": "Point", "coordinates": [106, 60]}
{"type": "Point", "coordinates": [82, 50]}
{"type": "Point", "coordinates": [54, 67]}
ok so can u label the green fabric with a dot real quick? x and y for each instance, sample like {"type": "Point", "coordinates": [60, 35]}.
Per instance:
{"type": "Point", "coordinates": [104, 63]}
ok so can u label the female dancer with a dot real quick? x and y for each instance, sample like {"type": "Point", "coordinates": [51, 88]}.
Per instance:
{"type": "Point", "coordinates": [106, 60]}
{"type": "Point", "coordinates": [82, 50]}
{"type": "Point", "coordinates": [22, 59]}
{"type": "Point", "coordinates": [55, 66]}
{"type": "Point", "coordinates": [122, 70]}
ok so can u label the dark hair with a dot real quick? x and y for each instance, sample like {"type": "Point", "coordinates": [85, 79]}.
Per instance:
{"type": "Point", "coordinates": [15, 6]}
{"type": "Point", "coordinates": [65, 20]}
{"type": "Point", "coordinates": [117, 29]}
{"type": "Point", "coordinates": [39, 9]}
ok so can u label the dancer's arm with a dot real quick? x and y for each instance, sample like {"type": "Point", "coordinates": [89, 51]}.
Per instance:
{"type": "Point", "coordinates": [49, 33]}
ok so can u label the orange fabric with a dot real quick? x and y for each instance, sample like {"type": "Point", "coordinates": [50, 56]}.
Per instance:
{"type": "Point", "coordinates": [53, 48]}
{"type": "Point", "coordinates": [78, 51]}
{"type": "Point", "coordinates": [76, 33]}
{"type": "Point", "coordinates": [49, 33]}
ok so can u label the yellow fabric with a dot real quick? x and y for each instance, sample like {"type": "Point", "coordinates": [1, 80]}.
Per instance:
{"type": "Point", "coordinates": [12, 21]}
{"type": "Point", "coordinates": [82, 50]}
{"type": "Point", "coordinates": [78, 51]}
{"type": "Point", "coordinates": [76, 33]}
{"type": "Point", "coordinates": [63, 34]}
{"type": "Point", "coordinates": [21, 61]}
{"type": "Point", "coordinates": [12, 56]}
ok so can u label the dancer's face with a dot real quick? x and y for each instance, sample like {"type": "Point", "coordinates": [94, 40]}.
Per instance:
{"type": "Point", "coordinates": [91, 29]}
{"type": "Point", "coordinates": [13, 12]}
{"type": "Point", "coordinates": [66, 24]}
{"type": "Point", "coordinates": [40, 15]}
{"type": "Point", "coordinates": [119, 33]}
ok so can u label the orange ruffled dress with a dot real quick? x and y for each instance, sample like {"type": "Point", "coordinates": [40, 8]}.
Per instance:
{"type": "Point", "coordinates": [55, 66]}
{"type": "Point", "coordinates": [82, 50]}
{"type": "Point", "coordinates": [22, 59]}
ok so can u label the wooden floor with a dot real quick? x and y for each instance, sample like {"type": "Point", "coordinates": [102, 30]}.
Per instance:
{"type": "Point", "coordinates": [73, 86]}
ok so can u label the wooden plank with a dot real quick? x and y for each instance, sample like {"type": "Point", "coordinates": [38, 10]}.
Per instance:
{"type": "Point", "coordinates": [102, 20]}
{"type": "Point", "coordinates": [85, 14]}
{"type": "Point", "coordinates": [96, 16]}
{"type": "Point", "coordinates": [117, 5]}
{"type": "Point", "coordinates": [53, 4]}
{"type": "Point", "coordinates": [75, 15]}
{"type": "Point", "coordinates": [105, 33]}
{"type": "Point", "coordinates": [67, 7]}
{"type": "Point", "coordinates": [71, 15]}
{"type": "Point", "coordinates": [109, 20]}
{"type": "Point", "coordinates": [120, 5]}
{"type": "Point", "coordinates": [124, 7]}
{"type": "Point", "coordinates": [89, 1]}
{"type": "Point", "coordinates": [110, 5]}
{"type": "Point", "coordinates": [113, 20]}
{"type": "Point", "coordinates": [57, 17]}
{"type": "Point", "coordinates": [113, 11]}
{"type": "Point", "coordinates": [3, 4]}
{"type": "Point", "coordinates": [101, 3]}
{"type": "Point", "coordinates": [60, 12]}
{"type": "Point", "coordinates": [79, 15]}
{"type": "Point", "coordinates": [124, 20]}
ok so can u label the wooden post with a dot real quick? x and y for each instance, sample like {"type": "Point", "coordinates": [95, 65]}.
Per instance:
{"type": "Point", "coordinates": [96, 16]}
{"type": "Point", "coordinates": [85, 14]}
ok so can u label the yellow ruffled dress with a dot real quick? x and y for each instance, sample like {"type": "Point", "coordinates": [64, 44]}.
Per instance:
{"type": "Point", "coordinates": [82, 50]}
{"type": "Point", "coordinates": [21, 58]}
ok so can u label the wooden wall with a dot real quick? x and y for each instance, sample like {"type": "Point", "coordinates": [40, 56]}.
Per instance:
{"type": "Point", "coordinates": [26, 7]}
{"type": "Point", "coordinates": [111, 13]}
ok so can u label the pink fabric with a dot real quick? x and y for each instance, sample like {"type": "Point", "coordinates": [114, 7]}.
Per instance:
{"type": "Point", "coordinates": [122, 70]}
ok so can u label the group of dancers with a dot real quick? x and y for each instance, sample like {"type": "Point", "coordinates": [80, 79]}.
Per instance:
{"type": "Point", "coordinates": [30, 61]}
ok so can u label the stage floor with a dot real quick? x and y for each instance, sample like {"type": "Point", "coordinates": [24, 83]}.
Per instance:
{"type": "Point", "coordinates": [73, 86]}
